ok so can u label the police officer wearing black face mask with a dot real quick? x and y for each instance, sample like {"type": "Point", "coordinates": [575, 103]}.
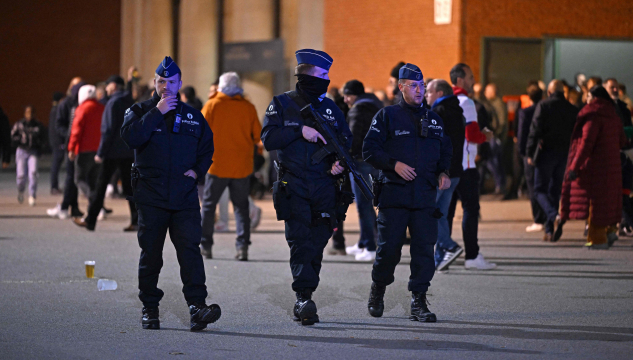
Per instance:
{"type": "Point", "coordinates": [305, 194]}
{"type": "Point", "coordinates": [173, 147]}
{"type": "Point", "coordinates": [406, 142]}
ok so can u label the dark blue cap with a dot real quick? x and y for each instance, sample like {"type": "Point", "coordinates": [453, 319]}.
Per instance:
{"type": "Point", "coordinates": [410, 72]}
{"type": "Point", "coordinates": [314, 57]}
{"type": "Point", "coordinates": [167, 68]}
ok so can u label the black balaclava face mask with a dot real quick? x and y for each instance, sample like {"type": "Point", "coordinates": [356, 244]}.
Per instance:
{"type": "Point", "coordinates": [312, 86]}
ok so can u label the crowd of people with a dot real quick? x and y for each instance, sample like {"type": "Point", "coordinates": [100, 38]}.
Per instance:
{"type": "Point", "coordinates": [534, 153]}
{"type": "Point", "coordinates": [424, 144]}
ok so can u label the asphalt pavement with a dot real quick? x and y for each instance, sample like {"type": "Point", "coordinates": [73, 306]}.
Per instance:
{"type": "Point", "coordinates": [544, 301]}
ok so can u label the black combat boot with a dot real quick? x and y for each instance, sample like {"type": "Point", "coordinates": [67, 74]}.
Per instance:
{"type": "Point", "coordinates": [242, 253]}
{"type": "Point", "coordinates": [305, 309]}
{"type": "Point", "coordinates": [201, 315]}
{"type": "Point", "coordinates": [150, 318]}
{"type": "Point", "coordinates": [376, 304]}
{"type": "Point", "coordinates": [419, 309]}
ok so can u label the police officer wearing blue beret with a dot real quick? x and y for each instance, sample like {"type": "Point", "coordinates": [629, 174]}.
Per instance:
{"type": "Point", "coordinates": [305, 195]}
{"type": "Point", "coordinates": [173, 147]}
{"type": "Point", "coordinates": [406, 142]}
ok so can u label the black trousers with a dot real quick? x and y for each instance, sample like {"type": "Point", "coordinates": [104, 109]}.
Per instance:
{"type": "Point", "coordinates": [305, 239]}
{"type": "Point", "coordinates": [109, 167]}
{"type": "Point", "coordinates": [184, 231]}
{"type": "Point", "coordinates": [70, 189]}
{"type": "Point", "coordinates": [468, 192]}
{"type": "Point", "coordinates": [392, 230]}
{"type": "Point", "coordinates": [56, 163]}
{"type": "Point", "coordinates": [86, 173]}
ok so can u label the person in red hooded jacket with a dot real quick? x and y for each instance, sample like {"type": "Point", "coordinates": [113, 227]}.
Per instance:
{"type": "Point", "coordinates": [593, 177]}
{"type": "Point", "coordinates": [84, 140]}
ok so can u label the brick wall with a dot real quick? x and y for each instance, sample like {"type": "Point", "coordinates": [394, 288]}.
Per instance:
{"type": "Point", "coordinates": [367, 39]}
{"type": "Point", "coordinates": [43, 44]}
{"type": "Point", "coordinates": [539, 18]}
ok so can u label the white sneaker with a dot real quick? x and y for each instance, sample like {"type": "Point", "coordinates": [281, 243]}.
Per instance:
{"type": "Point", "coordinates": [366, 255]}
{"type": "Point", "coordinates": [221, 226]}
{"type": "Point", "coordinates": [353, 250]}
{"type": "Point", "coordinates": [109, 191]}
{"type": "Point", "coordinates": [31, 201]}
{"type": "Point", "coordinates": [534, 228]}
{"type": "Point", "coordinates": [57, 212]}
{"type": "Point", "coordinates": [256, 216]}
{"type": "Point", "coordinates": [102, 215]}
{"type": "Point", "coordinates": [479, 263]}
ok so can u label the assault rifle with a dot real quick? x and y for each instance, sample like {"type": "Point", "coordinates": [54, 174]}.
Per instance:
{"type": "Point", "coordinates": [334, 146]}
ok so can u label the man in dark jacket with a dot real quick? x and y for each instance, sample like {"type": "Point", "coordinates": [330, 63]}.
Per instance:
{"type": "Point", "coordinates": [305, 194]}
{"type": "Point", "coordinates": [406, 142]}
{"type": "Point", "coordinates": [523, 130]}
{"type": "Point", "coordinates": [612, 87]}
{"type": "Point", "coordinates": [547, 148]}
{"type": "Point", "coordinates": [440, 95]}
{"type": "Point", "coordinates": [173, 145]}
{"type": "Point", "coordinates": [63, 125]}
{"type": "Point", "coordinates": [363, 107]}
{"type": "Point", "coordinates": [113, 154]}
{"type": "Point", "coordinates": [56, 142]}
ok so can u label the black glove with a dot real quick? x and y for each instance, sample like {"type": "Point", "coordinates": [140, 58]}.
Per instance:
{"type": "Point", "coordinates": [572, 175]}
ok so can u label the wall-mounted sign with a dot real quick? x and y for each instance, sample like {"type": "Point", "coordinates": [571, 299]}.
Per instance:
{"type": "Point", "coordinates": [443, 12]}
{"type": "Point", "coordinates": [254, 56]}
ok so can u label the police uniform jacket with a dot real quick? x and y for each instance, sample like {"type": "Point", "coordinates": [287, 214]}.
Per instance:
{"type": "Point", "coordinates": [282, 131]}
{"type": "Point", "coordinates": [163, 156]}
{"type": "Point", "coordinates": [395, 136]}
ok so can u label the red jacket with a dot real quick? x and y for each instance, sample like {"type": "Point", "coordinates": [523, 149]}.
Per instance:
{"type": "Point", "coordinates": [86, 131]}
{"type": "Point", "coordinates": [594, 154]}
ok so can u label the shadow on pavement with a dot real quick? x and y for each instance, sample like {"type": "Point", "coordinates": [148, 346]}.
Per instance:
{"type": "Point", "coordinates": [382, 344]}
{"type": "Point", "coordinates": [512, 331]}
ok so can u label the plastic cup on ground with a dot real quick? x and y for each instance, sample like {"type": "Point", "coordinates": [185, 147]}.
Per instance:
{"type": "Point", "coordinates": [90, 269]}
{"type": "Point", "coordinates": [105, 284]}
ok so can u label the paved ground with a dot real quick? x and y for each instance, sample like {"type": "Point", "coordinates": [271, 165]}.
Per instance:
{"type": "Point", "coordinates": [544, 300]}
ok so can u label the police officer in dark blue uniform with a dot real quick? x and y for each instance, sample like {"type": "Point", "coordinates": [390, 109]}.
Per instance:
{"type": "Point", "coordinates": [173, 147]}
{"type": "Point", "coordinates": [406, 142]}
{"type": "Point", "coordinates": [305, 195]}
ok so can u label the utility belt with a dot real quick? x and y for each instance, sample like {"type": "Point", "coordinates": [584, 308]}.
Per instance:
{"type": "Point", "coordinates": [283, 199]}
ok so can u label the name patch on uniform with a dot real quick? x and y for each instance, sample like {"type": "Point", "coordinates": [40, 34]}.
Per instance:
{"type": "Point", "coordinates": [402, 132]}
{"type": "Point", "coordinates": [291, 123]}
{"type": "Point", "coordinates": [191, 122]}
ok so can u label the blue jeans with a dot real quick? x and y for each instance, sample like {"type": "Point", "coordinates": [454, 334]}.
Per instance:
{"type": "Point", "coordinates": [366, 212]}
{"type": "Point", "coordinates": [444, 241]}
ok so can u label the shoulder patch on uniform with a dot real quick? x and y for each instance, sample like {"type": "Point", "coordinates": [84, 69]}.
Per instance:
{"type": "Point", "coordinates": [271, 110]}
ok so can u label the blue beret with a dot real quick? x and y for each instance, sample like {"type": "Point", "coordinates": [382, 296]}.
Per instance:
{"type": "Point", "coordinates": [167, 68]}
{"type": "Point", "coordinates": [314, 57]}
{"type": "Point", "coordinates": [410, 72]}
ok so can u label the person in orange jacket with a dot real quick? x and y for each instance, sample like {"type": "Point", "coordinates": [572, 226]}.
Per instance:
{"type": "Point", "coordinates": [236, 130]}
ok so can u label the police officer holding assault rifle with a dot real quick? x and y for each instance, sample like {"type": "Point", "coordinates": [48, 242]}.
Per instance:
{"type": "Point", "coordinates": [174, 145]}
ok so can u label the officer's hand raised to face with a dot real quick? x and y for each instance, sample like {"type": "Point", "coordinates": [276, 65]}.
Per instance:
{"type": "Point", "coordinates": [311, 135]}
{"type": "Point", "coordinates": [445, 181]}
{"type": "Point", "coordinates": [405, 171]}
{"type": "Point", "coordinates": [167, 103]}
